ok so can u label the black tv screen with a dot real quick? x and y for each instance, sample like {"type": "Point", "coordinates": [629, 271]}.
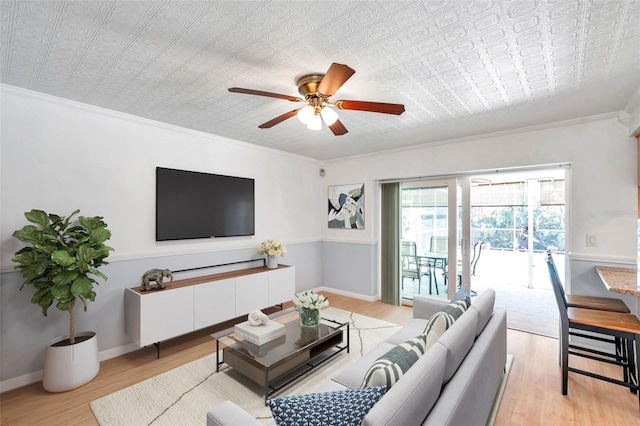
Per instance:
{"type": "Point", "coordinates": [202, 205]}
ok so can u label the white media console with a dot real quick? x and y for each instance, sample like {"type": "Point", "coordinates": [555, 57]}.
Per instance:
{"type": "Point", "coordinates": [195, 303]}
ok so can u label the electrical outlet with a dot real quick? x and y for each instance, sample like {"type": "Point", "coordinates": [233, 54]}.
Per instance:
{"type": "Point", "coordinates": [592, 240]}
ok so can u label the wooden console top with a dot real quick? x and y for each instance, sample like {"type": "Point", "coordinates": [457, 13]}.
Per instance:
{"type": "Point", "coordinates": [208, 278]}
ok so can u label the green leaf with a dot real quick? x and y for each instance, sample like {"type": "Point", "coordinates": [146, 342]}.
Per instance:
{"type": "Point", "coordinates": [39, 217]}
{"type": "Point", "coordinates": [26, 255]}
{"type": "Point", "coordinates": [63, 305]}
{"type": "Point", "coordinates": [63, 258]}
{"type": "Point", "coordinates": [66, 277]}
{"type": "Point", "coordinates": [82, 287]}
{"type": "Point", "coordinates": [61, 292]}
{"type": "Point", "coordinates": [97, 273]}
{"type": "Point", "coordinates": [29, 234]}
{"type": "Point", "coordinates": [44, 299]}
{"type": "Point", "coordinates": [99, 235]}
{"type": "Point", "coordinates": [86, 254]}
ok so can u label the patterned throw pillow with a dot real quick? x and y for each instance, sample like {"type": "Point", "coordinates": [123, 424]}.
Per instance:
{"type": "Point", "coordinates": [463, 294]}
{"type": "Point", "coordinates": [347, 407]}
{"type": "Point", "coordinates": [390, 367]}
{"type": "Point", "coordinates": [442, 320]}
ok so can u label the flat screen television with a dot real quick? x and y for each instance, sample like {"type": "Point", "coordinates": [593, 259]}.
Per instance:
{"type": "Point", "coordinates": [201, 205]}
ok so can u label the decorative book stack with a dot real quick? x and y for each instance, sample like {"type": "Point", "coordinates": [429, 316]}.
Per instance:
{"type": "Point", "coordinates": [261, 334]}
{"type": "Point", "coordinates": [262, 350]}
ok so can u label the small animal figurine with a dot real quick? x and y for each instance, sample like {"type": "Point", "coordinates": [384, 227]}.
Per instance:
{"type": "Point", "coordinates": [157, 275]}
{"type": "Point", "coordinates": [257, 318]}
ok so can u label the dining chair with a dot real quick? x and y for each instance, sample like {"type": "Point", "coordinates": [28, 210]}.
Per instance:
{"type": "Point", "coordinates": [609, 304]}
{"type": "Point", "coordinates": [620, 329]}
{"type": "Point", "coordinates": [411, 267]}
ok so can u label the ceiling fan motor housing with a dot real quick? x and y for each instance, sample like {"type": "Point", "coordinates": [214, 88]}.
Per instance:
{"type": "Point", "coordinates": [308, 84]}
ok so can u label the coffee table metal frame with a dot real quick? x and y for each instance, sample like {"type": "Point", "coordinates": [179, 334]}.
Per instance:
{"type": "Point", "coordinates": [297, 370]}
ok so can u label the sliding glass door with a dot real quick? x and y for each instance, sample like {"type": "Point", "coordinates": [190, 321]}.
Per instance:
{"type": "Point", "coordinates": [434, 235]}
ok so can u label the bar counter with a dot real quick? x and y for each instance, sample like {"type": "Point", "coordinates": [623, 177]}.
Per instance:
{"type": "Point", "coordinates": [620, 280]}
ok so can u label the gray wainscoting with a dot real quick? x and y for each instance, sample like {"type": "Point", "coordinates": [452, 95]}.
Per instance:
{"type": "Point", "coordinates": [585, 280]}
{"type": "Point", "coordinates": [350, 267]}
{"type": "Point", "coordinates": [25, 332]}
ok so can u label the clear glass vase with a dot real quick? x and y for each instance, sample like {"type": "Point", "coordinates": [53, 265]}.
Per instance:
{"type": "Point", "coordinates": [309, 317]}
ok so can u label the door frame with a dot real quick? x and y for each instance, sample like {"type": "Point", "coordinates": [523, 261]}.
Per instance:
{"type": "Point", "coordinates": [458, 196]}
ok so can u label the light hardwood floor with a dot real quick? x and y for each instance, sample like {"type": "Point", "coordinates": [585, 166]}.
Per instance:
{"type": "Point", "coordinates": [532, 395]}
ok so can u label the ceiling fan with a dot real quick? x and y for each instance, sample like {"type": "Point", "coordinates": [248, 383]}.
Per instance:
{"type": "Point", "coordinates": [316, 90]}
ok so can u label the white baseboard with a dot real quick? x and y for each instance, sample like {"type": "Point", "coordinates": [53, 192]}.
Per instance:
{"type": "Point", "coordinates": [36, 376]}
{"type": "Point", "coordinates": [20, 381]}
{"type": "Point", "coordinates": [348, 293]}
{"type": "Point", "coordinates": [121, 350]}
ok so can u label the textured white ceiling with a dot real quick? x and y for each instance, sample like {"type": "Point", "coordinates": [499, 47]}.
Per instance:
{"type": "Point", "coordinates": [460, 67]}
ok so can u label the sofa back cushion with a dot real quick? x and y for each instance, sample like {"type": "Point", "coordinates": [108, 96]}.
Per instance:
{"type": "Point", "coordinates": [483, 304]}
{"type": "Point", "coordinates": [391, 366]}
{"type": "Point", "coordinates": [442, 320]}
{"type": "Point", "coordinates": [457, 341]}
{"type": "Point", "coordinates": [410, 400]}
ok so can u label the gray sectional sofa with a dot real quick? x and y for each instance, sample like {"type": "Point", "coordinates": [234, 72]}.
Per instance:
{"type": "Point", "coordinates": [454, 383]}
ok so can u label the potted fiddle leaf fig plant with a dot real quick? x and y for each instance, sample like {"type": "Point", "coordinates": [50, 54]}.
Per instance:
{"type": "Point", "coordinates": [61, 262]}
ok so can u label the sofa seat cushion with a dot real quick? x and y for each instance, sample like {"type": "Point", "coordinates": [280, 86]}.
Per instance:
{"type": "Point", "coordinates": [331, 386]}
{"type": "Point", "coordinates": [408, 331]}
{"type": "Point", "coordinates": [391, 366]}
{"type": "Point", "coordinates": [352, 376]}
{"type": "Point", "coordinates": [347, 407]}
{"type": "Point", "coordinates": [442, 320]}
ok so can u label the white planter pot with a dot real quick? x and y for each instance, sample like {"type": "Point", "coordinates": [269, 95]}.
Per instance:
{"type": "Point", "coordinates": [69, 367]}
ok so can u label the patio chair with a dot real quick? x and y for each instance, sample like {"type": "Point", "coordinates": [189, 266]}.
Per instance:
{"type": "Point", "coordinates": [411, 267]}
{"type": "Point", "coordinates": [439, 244]}
{"type": "Point", "coordinates": [616, 328]}
{"type": "Point", "coordinates": [477, 250]}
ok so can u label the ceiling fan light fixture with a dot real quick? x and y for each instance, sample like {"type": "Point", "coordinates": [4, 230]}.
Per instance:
{"type": "Point", "coordinates": [315, 123]}
{"type": "Point", "coordinates": [306, 114]}
{"type": "Point", "coordinates": [329, 116]}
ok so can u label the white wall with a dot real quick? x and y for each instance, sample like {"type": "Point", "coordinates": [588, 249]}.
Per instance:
{"type": "Point", "coordinates": [603, 193]}
{"type": "Point", "coordinates": [59, 156]}
{"type": "Point", "coordinates": [603, 177]}
{"type": "Point", "coordinates": [633, 109]}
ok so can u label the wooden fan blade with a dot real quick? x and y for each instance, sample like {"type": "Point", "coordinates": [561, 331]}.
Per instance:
{"type": "Point", "coordinates": [279, 119]}
{"type": "Point", "coordinates": [381, 107]}
{"type": "Point", "coordinates": [261, 93]}
{"type": "Point", "coordinates": [338, 128]}
{"type": "Point", "coordinates": [335, 77]}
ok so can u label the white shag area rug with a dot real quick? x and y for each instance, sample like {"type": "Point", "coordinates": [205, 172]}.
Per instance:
{"type": "Point", "coordinates": [183, 395]}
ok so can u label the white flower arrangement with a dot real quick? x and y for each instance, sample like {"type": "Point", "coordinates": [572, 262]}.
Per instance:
{"type": "Point", "coordinates": [272, 248]}
{"type": "Point", "coordinates": [310, 300]}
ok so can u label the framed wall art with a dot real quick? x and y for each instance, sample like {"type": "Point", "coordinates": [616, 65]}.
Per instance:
{"type": "Point", "coordinates": [346, 206]}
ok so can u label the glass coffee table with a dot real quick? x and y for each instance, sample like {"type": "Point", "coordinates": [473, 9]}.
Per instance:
{"type": "Point", "coordinates": [277, 363]}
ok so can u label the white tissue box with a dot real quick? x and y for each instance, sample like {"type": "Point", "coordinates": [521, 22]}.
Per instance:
{"type": "Point", "coordinates": [260, 334]}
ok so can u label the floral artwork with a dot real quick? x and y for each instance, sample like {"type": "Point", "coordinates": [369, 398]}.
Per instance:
{"type": "Point", "coordinates": [346, 206]}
